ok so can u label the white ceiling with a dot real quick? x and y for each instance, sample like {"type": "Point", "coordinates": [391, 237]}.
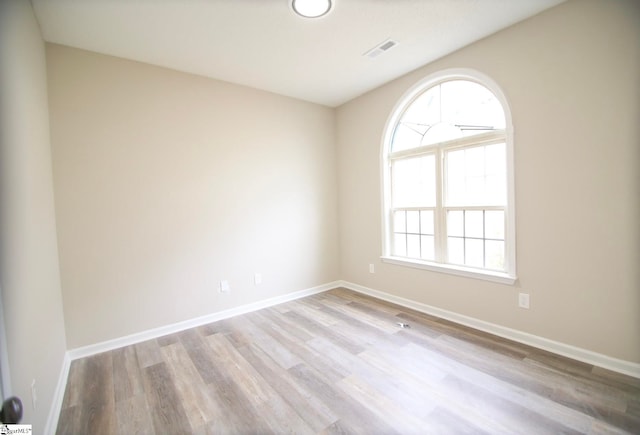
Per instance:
{"type": "Point", "coordinates": [264, 45]}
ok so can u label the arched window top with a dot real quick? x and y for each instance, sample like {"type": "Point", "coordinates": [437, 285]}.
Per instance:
{"type": "Point", "coordinates": [449, 109]}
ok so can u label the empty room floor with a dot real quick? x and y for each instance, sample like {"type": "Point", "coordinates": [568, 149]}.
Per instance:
{"type": "Point", "coordinates": [342, 362]}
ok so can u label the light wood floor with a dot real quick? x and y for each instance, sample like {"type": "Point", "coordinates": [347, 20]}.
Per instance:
{"type": "Point", "coordinates": [338, 362]}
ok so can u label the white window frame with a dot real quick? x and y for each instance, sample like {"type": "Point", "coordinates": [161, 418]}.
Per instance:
{"type": "Point", "coordinates": [507, 277]}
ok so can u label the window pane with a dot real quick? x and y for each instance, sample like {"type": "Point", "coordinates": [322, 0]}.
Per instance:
{"type": "Point", "coordinates": [495, 190]}
{"type": "Point", "coordinates": [452, 109]}
{"type": "Point", "coordinates": [470, 106]}
{"type": "Point", "coordinates": [399, 222]}
{"type": "Point", "coordinates": [426, 222]}
{"type": "Point", "coordinates": [425, 110]}
{"type": "Point", "coordinates": [495, 159]}
{"type": "Point", "coordinates": [494, 224]}
{"type": "Point", "coordinates": [455, 179]}
{"type": "Point", "coordinates": [455, 223]}
{"type": "Point", "coordinates": [406, 137]}
{"type": "Point", "coordinates": [413, 222]}
{"type": "Point", "coordinates": [473, 223]}
{"type": "Point", "coordinates": [476, 176]}
{"type": "Point", "coordinates": [494, 254]}
{"type": "Point", "coordinates": [427, 244]}
{"type": "Point", "coordinates": [423, 113]}
{"type": "Point", "coordinates": [474, 162]}
{"type": "Point", "coordinates": [400, 245]}
{"type": "Point", "coordinates": [414, 182]}
{"type": "Point", "coordinates": [474, 191]}
{"type": "Point", "coordinates": [473, 252]}
{"type": "Point", "coordinates": [413, 246]}
{"type": "Point", "coordinates": [455, 247]}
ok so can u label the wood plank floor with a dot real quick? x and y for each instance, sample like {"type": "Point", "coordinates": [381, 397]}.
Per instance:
{"type": "Point", "coordinates": [338, 362]}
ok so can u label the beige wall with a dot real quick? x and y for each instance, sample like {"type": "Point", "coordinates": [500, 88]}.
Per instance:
{"type": "Point", "coordinates": [167, 183]}
{"type": "Point", "coordinates": [29, 274]}
{"type": "Point", "coordinates": [571, 76]}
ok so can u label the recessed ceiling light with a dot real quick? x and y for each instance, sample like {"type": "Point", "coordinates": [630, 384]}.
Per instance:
{"type": "Point", "coordinates": [311, 8]}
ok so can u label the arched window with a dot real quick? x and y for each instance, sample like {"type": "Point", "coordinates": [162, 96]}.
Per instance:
{"type": "Point", "coordinates": [447, 164]}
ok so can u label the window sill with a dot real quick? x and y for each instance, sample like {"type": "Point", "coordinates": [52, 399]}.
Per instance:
{"type": "Point", "coordinates": [498, 277]}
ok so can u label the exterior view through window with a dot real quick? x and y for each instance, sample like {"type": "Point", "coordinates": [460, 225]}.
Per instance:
{"type": "Point", "coordinates": [448, 195]}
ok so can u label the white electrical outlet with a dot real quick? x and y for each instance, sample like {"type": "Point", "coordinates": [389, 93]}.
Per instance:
{"type": "Point", "coordinates": [372, 268]}
{"type": "Point", "coordinates": [224, 287]}
{"type": "Point", "coordinates": [257, 279]}
{"type": "Point", "coordinates": [523, 300]}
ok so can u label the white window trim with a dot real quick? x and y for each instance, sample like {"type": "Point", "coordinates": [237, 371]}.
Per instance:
{"type": "Point", "coordinates": [451, 269]}
{"type": "Point", "coordinates": [510, 276]}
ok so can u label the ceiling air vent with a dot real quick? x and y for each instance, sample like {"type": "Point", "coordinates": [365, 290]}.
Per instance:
{"type": "Point", "coordinates": [380, 48]}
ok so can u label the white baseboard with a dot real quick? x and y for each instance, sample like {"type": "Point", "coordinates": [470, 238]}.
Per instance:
{"type": "Point", "coordinates": [58, 397]}
{"type": "Point", "coordinates": [92, 349]}
{"type": "Point", "coordinates": [584, 355]}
